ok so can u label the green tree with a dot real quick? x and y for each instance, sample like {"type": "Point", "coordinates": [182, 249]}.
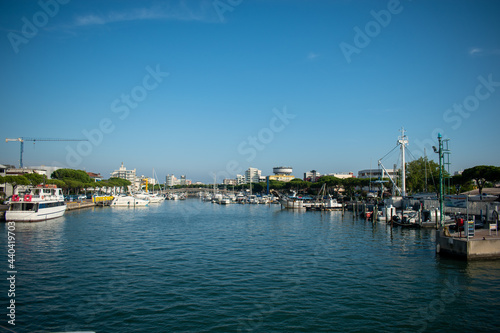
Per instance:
{"type": "Point", "coordinates": [276, 185]}
{"type": "Point", "coordinates": [482, 174]}
{"type": "Point", "coordinates": [57, 182]}
{"type": "Point", "coordinates": [333, 183]}
{"type": "Point", "coordinates": [416, 172]}
{"type": "Point", "coordinates": [2, 181]}
{"type": "Point", "coordinates": [298, 184]}
{"type": "Point", "coordinates": [34, 178]}
{"type": "Point", "coordinates": [462, 184]}
{"type": "Point", "coordinates": [103, 184]}
{"type": "Point", "coordinates": [15, 181]}
{"type": "Point", "coordinates": [78, 175]}
{"type": "Point", "coordinates": [258, 187]}
{"type": "Point", "coordinates": [350, 185]}
{"type": "Point", "coordinates": [119, 182]}
{"type": "Point", "coordinates": [74, 185]}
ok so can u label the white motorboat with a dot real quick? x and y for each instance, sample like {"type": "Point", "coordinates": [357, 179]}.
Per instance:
{"type": "Point", "coordinates": [128, 201]}
{"type": "Point", "coordinates": [386, 213]}
{"type": "Point", "coordinates": [156, 198]}
{"type": "Point", "coordinates": [331, 203]}
{"type": "Point", "coordinates": [152, 198]}
{"type": "Point", "coordinates": [44, 202]}
{"type": "Point", "coordinates": [225, 201]}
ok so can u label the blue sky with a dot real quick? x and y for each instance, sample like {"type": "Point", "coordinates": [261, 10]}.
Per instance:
{"type": "Point", "coordinates": [204, 87]}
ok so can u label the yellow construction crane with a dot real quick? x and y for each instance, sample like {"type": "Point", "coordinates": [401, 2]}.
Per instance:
{"type": "Point", "coordinates": [22, 139]}
{"type": "Point", "coordinates": [145, 181]}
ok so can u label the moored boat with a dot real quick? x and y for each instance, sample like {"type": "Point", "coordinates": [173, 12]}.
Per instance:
{"type": "Point", "coordinates": [43, 202]}
{"type": "Point", "coordinates": [128, 201]}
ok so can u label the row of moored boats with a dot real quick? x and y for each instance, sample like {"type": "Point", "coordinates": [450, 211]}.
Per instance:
{"type": "Point", "coordinates": [45, 202]}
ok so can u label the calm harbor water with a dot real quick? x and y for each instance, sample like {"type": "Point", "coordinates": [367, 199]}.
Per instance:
{"type": "Point", "coordinates": [190, 266]}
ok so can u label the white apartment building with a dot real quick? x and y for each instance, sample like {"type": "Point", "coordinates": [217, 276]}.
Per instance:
{"type": "Point", "coordinates": [129, 175]}
{"type": "Point", "coordinates": [253, 175]}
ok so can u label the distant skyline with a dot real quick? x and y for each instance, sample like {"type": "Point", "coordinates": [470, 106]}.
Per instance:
{"type": "Point", "coordinates": [199, 88]}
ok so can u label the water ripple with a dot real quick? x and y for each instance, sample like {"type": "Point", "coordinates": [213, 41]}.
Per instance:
{"type": "Point", "coordinates": [197, 267]}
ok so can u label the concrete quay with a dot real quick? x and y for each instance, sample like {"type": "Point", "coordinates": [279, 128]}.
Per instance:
{"type": "Point", "coordinates": [481, 246]}
{"type": "Point", "coordinates": [79, 205]}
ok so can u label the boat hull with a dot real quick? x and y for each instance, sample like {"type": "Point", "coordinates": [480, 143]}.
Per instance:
{"type": "Point", "coordinates": [292, 204]}
{"type": "Point", "coordinates": [42, 214]}
{"type": "Point", "coordinates": [128, 202]}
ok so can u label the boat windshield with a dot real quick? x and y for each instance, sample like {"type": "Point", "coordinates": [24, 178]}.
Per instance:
{"type": "Point", "coordinates": [23, 206]}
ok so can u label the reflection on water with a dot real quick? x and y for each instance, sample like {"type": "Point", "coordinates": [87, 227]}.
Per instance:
{"type": "Point", "coordinates": [185, 266]}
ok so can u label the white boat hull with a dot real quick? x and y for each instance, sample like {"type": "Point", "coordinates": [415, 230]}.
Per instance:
{"type": "Point", "coordinates": [43, 202]}
{"type": "Point", "coordinates": [128, 202]}
{"type": "Point", "coordinates": [292, 204]}
{"type": "Point", "coordinates": [41, 214]}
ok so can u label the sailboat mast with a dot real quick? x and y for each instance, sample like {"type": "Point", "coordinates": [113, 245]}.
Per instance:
{"type": "Point", "coordinates": [425, 168]}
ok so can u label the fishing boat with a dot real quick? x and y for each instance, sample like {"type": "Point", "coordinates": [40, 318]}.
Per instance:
{"type": "Point", "coordinates": [43, 202]}
{"type": "Point", "coordinates": [290, 202]}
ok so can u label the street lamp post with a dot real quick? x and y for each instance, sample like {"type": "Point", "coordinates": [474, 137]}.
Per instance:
{"type": "Point", "coordinates": [441, 187]}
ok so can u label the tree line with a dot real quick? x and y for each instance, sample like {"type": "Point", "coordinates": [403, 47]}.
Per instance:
{"type": "Point", "coordinates": [70, 180]}
{"type": "Point", "coordinates": [422, 175]}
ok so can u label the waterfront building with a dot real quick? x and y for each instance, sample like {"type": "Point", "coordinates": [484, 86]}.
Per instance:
{"type": "Point", "coordinates": [44, 170]}
{"type": "Point", "coordinates": [281, 178]}
{"type": "Point", "coordinates": [151, 181]}
{"type": "Point", "coordinates": [232, 182]}
{"type": "Point", "coordinates": [183, 181]}
{"type": "Point", "coordinates": [123, 173]}
{"type": "Point", "coordinates": [342, 175]}
{"type": "Point", "coordinates": [129, 175]}
{"type": "Point", "coordinates": [170, 180]}
{"type": "Point", "coordinates": [375, 173]}
{"type": "Point", "coordinates": [96, 177]}
{"type": "Point", "coordinates": [8, 189]}
{"type": "Point", "coordinates": [240, 179]}
{"type": "Point", "coordinates": [312, 176]}
{"type": "Point", "coordinates": [253, 175]}
{"type": "Point", "coordinates": [283, 174]}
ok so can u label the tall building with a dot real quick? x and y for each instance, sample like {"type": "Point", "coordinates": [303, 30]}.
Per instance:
{"type": "Point", "coordinates": [170, 180]}
{"type": "Point", "coordinates": [312, 176]}
{"type": "Point", "coordinates": [129, 175]}
{"type": "Point", "coordinates": [123, 173]}
{"type": "Point", "coordinates": [253, 175]}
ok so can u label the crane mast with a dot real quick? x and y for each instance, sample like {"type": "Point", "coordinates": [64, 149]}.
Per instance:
{"type": "Point", "coordinates": [22, 139]}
